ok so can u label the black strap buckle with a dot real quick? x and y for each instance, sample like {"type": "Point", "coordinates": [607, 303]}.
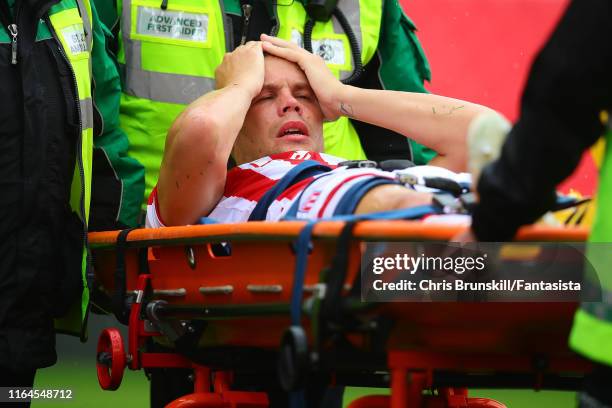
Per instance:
{"type": "Point", "coordinates": [359, 164]}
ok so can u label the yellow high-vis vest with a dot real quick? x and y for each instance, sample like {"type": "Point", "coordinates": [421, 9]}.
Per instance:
{"type": "Point", "coordinates": [592, 330]}
{"type": "Point", "coordinates": [71, 27]}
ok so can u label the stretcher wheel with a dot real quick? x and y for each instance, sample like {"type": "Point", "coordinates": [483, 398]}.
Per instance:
{"type": "Point", "coordinates": [293, 359]}
{"type": "Point", "coordinates": [111, 359]}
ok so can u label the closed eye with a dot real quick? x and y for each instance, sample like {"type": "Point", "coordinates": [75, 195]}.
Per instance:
{"type": "Point", "coordinates": [262, 98]}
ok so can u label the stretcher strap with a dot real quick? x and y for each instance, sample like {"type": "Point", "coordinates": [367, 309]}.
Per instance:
{"type": "Point", "coordinates": [118, 302]}
{"type": "Point", "coordinates": [301, 259]}
{"type": "Point", "coordinates": [296, 399]}
{"type": "Point", "coordinates": [348, 202]}
{"type": "Point", "coordinates": [334, 281]}
{"type": "Point", "coordinates": [302, 171]}
{"type": "Point", "coordinates": [304, 239]}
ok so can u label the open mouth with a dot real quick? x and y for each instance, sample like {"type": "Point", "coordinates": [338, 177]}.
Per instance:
{"type": "Point", "coordinates": [293, 129]}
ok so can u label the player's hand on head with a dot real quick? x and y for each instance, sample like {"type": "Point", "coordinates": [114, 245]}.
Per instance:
{"type": "Point", "coordinates": [324, 84]}
{"type": "Point", "coordinates": [242, 67]}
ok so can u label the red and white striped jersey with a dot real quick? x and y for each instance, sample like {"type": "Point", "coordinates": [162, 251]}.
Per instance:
{"type": "Point", "coordinates": [247, 183]}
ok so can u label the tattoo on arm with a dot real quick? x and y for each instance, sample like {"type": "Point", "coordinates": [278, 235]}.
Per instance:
{"type": "Point", "coordinates": [447, 110]}
{"type": "Point", "coordinates": [346, 109]}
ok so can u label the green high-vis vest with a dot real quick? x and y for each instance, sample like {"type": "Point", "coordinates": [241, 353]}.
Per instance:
{"type": "Point", "coordinates": [71, 27]}
{"type": "Point", "coordinates": [168, 59]}
{"type": "Point", "coordinates": [75, 28]}
{"type": "Point", "coordinates": [592, 330]}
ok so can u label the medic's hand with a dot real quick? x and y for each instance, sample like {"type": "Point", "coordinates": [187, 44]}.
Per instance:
{"type": "Point", "coordinates": [243, 67]}
{"type": "Point", "coordinates": [326, 87]}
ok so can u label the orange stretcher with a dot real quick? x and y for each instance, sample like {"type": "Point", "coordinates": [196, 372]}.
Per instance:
{"type": "Point", "coordinates": [225, 313]}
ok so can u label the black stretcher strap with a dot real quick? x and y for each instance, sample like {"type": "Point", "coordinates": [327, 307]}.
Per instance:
{"type": "Point", "coordinates": [120, 309]}
{"type": "Point", "coordinates": [331, 305]}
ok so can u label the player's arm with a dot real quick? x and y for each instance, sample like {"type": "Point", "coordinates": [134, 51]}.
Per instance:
{"type": "Point", "coordinates": [435, 121]}
{"type": "Point", "coordinates": [194, 168]}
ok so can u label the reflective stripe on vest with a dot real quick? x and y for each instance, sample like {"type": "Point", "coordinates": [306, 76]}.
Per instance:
{"type": "Point", "coordinates": [71, 27]}
{"type": "Point", "coordinates": [329, 39]}
{"type": "Point", "coordinates": [74, 34]}
{"type": "Point", "coordinates": [170, 55]}
{"type": "Point", "coordinates": [168, 59]}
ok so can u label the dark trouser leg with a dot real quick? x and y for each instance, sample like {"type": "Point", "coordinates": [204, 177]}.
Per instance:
{"type": "Point", "coordinates": [597, 388]}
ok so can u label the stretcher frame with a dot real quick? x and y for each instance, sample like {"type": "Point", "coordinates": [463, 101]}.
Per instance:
{"type": "Point", "coordinates": [436, 362]}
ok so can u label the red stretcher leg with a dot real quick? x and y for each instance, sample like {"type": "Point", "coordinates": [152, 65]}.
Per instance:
{"type": "Point", "coordinates": [415, 390]}
{"type": "Point", "coordinates": [399, 388]}
{"type": "Point", "coordinates": [454, 397]}
{"type": "Point", "coordinates": [202, 397]}
{"type": "Point", "coordinates": [404, 393]}
{"type": "Point", "coordinates": [371, 401]}
{"type": "Point", "coordinates": [199, 400]}
{"type": "Point", "coordinates": [201, 380]}
{"type": "Point", "coordinates": [219, 397]}
{"type": "Point", "coordinates": [458, 398]}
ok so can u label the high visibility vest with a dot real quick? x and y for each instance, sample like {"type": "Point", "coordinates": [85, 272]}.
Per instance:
{"type": "Point", "coordinates": [592, 330]}
{"type": "Point", "coordinates": [168, 59]}
{"type": "Point", "coordinates": [70, 25]}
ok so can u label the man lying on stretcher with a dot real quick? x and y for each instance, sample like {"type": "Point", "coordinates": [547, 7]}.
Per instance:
{"type": "Point", "coordinates": [268, 114]}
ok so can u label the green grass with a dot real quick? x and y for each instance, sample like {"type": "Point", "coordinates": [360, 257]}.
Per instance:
{"type": "Point", "coordinates": [79, 375]}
